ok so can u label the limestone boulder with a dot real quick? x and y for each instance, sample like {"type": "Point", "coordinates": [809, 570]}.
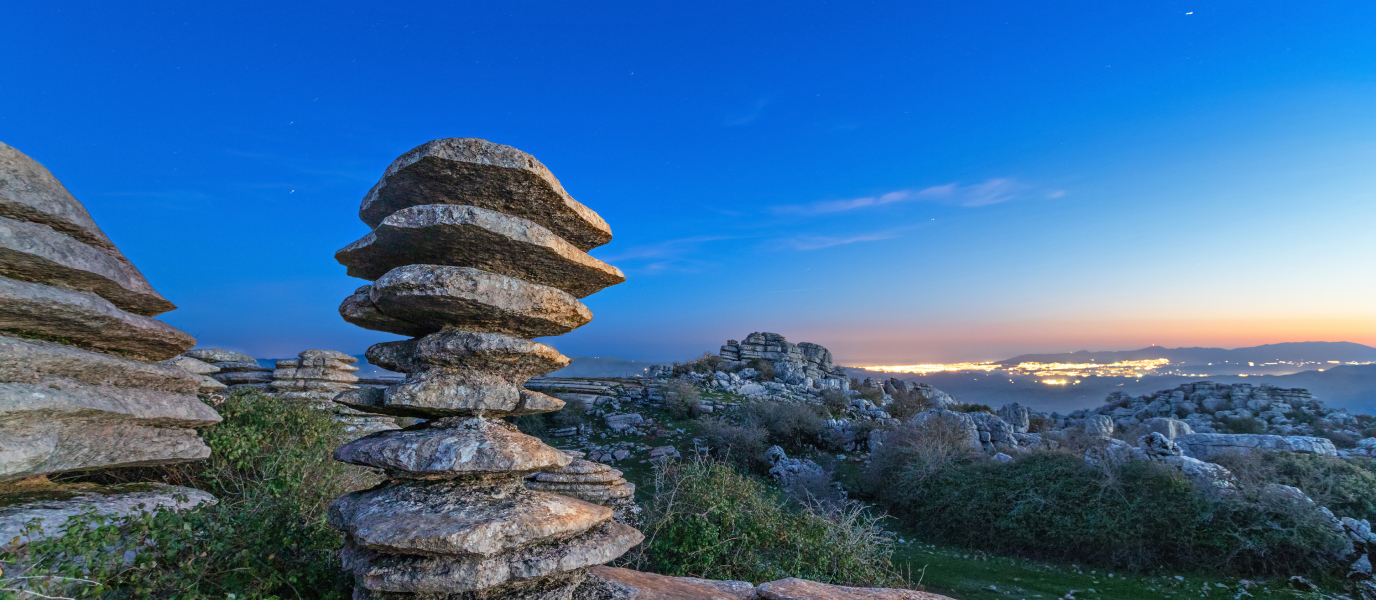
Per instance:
{"type": "Point", "coordinates": [453, 518]}
{"type": "Point", "coordinates": [449, 448]}
{"type": "Point", "coordinates": [479, 173]}
{"type": "Point", "coordinates": [37, 253]}
{"type": "Point", "coordinates": [53, 507]}
{"type": "Point", "coordinates": [434, 297]}
{"type": "Point", "coordinates": [615, 583]}
{"type": "Point", "coordinates": [802, 589]}
{"type": "Point", "coordinates": [86, 320]}
{"type": "Point", "coordinates": [398, 402]}
{"type": "Point", "coordinates": [1205, 446]}
{"type": "Point", "coordinates": [510, 356]}
{"type": "Point", "coordinates": [38, 362]}
{"type": "Point", "coordinates": [468, 236]}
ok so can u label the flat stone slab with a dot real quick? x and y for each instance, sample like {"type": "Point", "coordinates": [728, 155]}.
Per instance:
{"type": "Point", "coordinates": [215, 356]}
{"type": "Point", "coordinates": [29, 192]}
{"type": "Point", "coordinates": [615, 583]}
{"type": "Point", "coordinates": [359, 310]}
{"type": "Point", "coordinates": [192, 365]}
{"type": "Point", "coordinates": [47, 430]}
{"type": "Point", "coordinates": [444, 574]}
{"type": "Point", "coordinates": [438, 518]}
{"type": "Point", "coordinates": [54, 505]}
{"type": "Point", "coordinates": [608, 476]}
{"type": "Point", "coordinates": [86, 320]}
{"type": "Point", "coordinates": [241, 377]}
{"type": "Point", "coordinates": [431, 298]}
{"type": "Point", "coordinates": [36, 361]}
{"type": "Point", "coordinates": [468, 236]}
{"type": "Point", "coordinates": [451, 448]}
{"type": "Point", "coordinates": [1205, 446]}
{"type": "Point", "coordinates": [376, 400]}
{"type": "Point", "coordinates": [802, 589]}
{"type": "Point", "coordinates": [506, 355]}
{"type": "Point", "coordinates": [476, 172]}
{"type": "Point", "coordinates": [36, 253]}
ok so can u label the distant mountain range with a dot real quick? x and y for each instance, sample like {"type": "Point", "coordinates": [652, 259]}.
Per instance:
{"type": "Point", "coordinates": [1293, 352]}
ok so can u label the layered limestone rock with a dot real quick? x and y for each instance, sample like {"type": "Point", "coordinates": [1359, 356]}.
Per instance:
{"type": "Point", "coordinates": [238, 371]}
{"type": "Point", "coordinates": [79, 388]}
{"type": "Point", "coordinates": [793, 363]}
{"type": "Point", "coordinates": [476, 248]}
{"type": "Point", "coordinates": [592, 482]}
{"type": "Point", "coordinates": [317, 376]}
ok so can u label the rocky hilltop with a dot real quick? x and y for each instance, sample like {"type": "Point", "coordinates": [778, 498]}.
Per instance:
{"type": "Point", "coordinates": [797, 364]}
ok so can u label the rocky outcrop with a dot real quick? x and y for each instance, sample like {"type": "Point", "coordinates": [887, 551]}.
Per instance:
{"type": "Point", "coordinates": [1209, 407]}
{"type": "Point", "coordinates": [1206, 446]}
{"type": "Point", "coordinates": [793, 363]}
{"type": "Point", "coordinates": [934, 398]}
{"type": "Point", "coordinates": [486, 251]}
{"type": "Point", "coordinates": [78, 386]}
{"type": "Point", "coordinates": [53, 507]}
{"type": "Point", "coordinates": [591, 482]}
{"type": "Point", "coordinates": [238, 371]}
{"type": "Point", "coordinates": [317, 376]}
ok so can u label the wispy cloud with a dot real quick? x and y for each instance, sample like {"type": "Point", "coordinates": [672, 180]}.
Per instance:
{"type": "Point", "coordinates": [993, 191]}
{"type": "Point", "coordinates": [665, 249]}
{"type": "Point", "coordinates": [817, 242]}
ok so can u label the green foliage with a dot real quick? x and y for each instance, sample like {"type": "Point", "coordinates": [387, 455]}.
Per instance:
{"type": "Point", "coordinates": [763, 368]}
{"type": "Point", "coordinates": [740, 445]}
{"type": "Point", "coordinates": [907, 404]}
{"type": "Point", "coordinates": [1139, 516]}
{"type": "Point", "coordinates": [797, 428]}
{"type": "Point", "coordinates": [874, 395]}
{"type": "Point", "coordinates": [707, 520]}
{"type": "Point", "coordinates": [973, 408]}
{"type": "Point", "coordinates": [270, 468]}
{"type": "Point", "coordinates": [703, 365]}
{"type": "Point", "coordinates": [682, 400]}
{"type": "Point", "coordinates": [1343, 485]}
{"type": "Point", "coordinates": [835, 401]}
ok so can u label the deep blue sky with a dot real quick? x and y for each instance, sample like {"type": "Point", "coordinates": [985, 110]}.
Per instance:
{"type": "Point", "coordinates": [899, 181]}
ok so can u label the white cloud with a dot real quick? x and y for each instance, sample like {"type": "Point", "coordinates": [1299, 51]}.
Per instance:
{"type": "Point", "coordinates": [993, 191]}
{"type": "Point", "coordinates": [817, 242]}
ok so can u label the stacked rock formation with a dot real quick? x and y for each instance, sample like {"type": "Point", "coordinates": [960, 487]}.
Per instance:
{"type": "Point", "coordinates": [793, 363]}
{"type": "Point", "coordinates": [238, 371]}
{"type": "Point", "coordinates": [317, 376]}
{"type": "Point", "coordinates": [592, 482]}
{"type": "Point", "coordinates": [209, 385]}
{"type": "Point", "coordinates": [475, 249]}
{"type": "Point", "coordinates": [80, 385]}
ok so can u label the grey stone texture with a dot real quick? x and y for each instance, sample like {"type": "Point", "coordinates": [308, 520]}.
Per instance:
{"type": "Point", "coordinates": [36, 253]}
{"type": "Point", "coordinates": [476, 248]}
{"type": "Point", "coordinates": [793, 363]}
{"type": "Point", "coordinates": [428, 298]}
{"type": "Point", "coordinates": [236, 370]}
{"type": "Point", "coordinates": [318, 377]}
{"type": "Point", "coordinates": [86, 320]}
{"type": "Point", "coordinates": [468, 236]}
{"type": "Point", "coordinates": [53, 505]}
{"type": "Point", "coordinates": [29, 192]}
{"type": "Point", "coordinates": [1206, 446]}
{"type": "Point", "coordinates": [479, 173]}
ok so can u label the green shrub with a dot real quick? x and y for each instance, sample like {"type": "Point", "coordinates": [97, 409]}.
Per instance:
{"type": "Point", "coordinates": [905, 405]}
{"type": "Point", "coordinates": [682, 400]}
{"type": "Point", "coordinates": [763, 368]}
{"type": "Point", "coordinates": [703, 365]}
{"type": "Point", "coordinates": [973, 408]}
{"type": "Point", "coordinates": [272, 471]}
{"type": "Point", "coordinates": [740, 445]}
{"type": "Point", "coordinates": [707, 520]}
{"type": "Point", "coordinates": [1347, 486]}
{"type": "Point", "coordinates": [796, 428]}
{"type": "Point", "coordinates": [1141, 515]}
{"type": "Point", "coordinates": [874, 395]}
{"type": "Point", "coordinates": [835, 401]}
{"type": "Point", "coordinates": [1243, 425]}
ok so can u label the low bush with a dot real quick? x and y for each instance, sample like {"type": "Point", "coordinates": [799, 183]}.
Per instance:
{"type": "Point", "coordinates": [740, 445]}
{"type": "Point", "coordinates": [272, 471]}
{"type": "Point", "coordinates": [794, 427]}
{"type": "Point", "coordinates": [973, 408]}
{"type": "Point", "coordinates": [835, 401]}
{"type": "Point", "coordinates": [1140, 515]}
{"type": "Point", "coordinates": [682, 400]}
{"type": "Point", "coordinates": [707, 520]}
{"type": "Point", "coordinates": [764, 369]}
{"type": "Point", "coordinates": [1242, 425]}
{"type": "Point", "coordinates": [907, 404]}
{"type": "Point", "coordinates": [1040, 424]}
{"type": "Point", "coordinates": [702, 365]}
{"type": "Point", "coordinates": [1343, 485]}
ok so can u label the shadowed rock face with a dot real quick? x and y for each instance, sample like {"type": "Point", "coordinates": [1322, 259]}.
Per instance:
{"type": "Point", "coordinates": [475, 172]}
{"type": "Point", "coordinates": [78, 388]}
{"type": "Point", "coordinates": [476, 249]}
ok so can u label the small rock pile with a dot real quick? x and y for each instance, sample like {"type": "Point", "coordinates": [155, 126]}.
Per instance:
{"type": "Point", "coordinates": [238, 371]}
{"type": "Point", "coordinates": [591, 482]}
{"type": "Point", "coordinates": [475, 249]}
{"type": "Point", "coordinates": [317, 376]}
{"type": "Point", "coordinates": [99, 398]}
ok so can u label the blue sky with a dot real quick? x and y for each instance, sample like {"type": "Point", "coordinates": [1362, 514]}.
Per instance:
{"type": "Point", "coordinates": [900, 182]}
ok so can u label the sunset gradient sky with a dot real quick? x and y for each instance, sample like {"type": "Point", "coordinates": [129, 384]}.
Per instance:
{"type": "Point", "coordinates": [898, 181]}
